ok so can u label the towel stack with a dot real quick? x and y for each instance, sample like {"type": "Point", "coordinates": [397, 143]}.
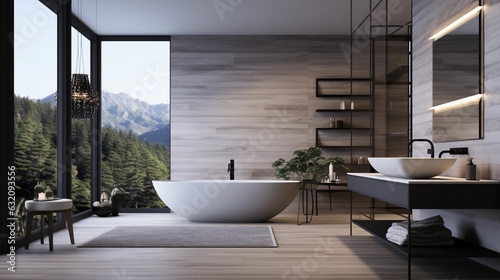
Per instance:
{"type": "Point", "coordinates": [427, 232]}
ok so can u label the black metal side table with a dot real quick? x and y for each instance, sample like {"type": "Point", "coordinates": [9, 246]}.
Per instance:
{"type": "Point", "coordinates": [311, 188]}
{"type": "Point", "coordinates": [332, 187]}
{"type": "Point", "coordinates": [306, 188]}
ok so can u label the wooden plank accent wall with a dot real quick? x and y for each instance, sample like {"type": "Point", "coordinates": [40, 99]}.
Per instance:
{"type": "Point", "coordinates": [480, 226]}
{"type": "Point", "coordinates": [247, 98]}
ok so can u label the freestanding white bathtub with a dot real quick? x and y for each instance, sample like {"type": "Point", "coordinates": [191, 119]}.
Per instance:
{"type": "Point", "coordinates": [237, 201]}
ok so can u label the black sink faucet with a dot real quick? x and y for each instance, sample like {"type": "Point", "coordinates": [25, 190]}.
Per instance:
{"type": "Point", "coordinates": [230, 169]}
{"type": "Point", "coordinates": [430, 151]}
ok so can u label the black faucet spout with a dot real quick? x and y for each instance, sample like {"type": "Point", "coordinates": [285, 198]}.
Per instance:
{"type": "Point", "coordinates": [230, 169]}
{"type": "Point", "coordinates": [431, 151]}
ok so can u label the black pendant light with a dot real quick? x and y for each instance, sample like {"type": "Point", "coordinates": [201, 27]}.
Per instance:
{"type": "Point", "coordinates": [84, 101]}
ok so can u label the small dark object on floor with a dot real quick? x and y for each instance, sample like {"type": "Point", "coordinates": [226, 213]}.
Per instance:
{"type": "Point", "coordinates": [117, 200]}
{"type": "Point", "coordinates": [109, 204]}
{"type": "Point", "coordinates": [103, 207]}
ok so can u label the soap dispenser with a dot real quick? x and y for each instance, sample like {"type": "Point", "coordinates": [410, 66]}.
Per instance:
{"type": "Point", "coordinates": [470, 170]}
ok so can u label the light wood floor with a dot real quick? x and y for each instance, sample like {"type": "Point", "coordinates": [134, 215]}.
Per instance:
{"type": "Point", "coordinates": [322, 249]}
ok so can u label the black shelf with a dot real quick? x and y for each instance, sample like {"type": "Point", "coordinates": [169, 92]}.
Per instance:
{"type": "Point", "coordinates": [459, 249]}
{"type": "Point", "coordinates": [343, 95]}
{"type": "Point", "coordinates": [333, 128]}
{"type": "Point", "coordinates": [331, 184]}
{"type": "Point", "coordinates": [344, 79]}
{"type": "Point", "coordinates": [318, 80]}
{"type": "Point", "coordinates": [339, 110]}
{"type": "Point", "coordinates": [392, 83]}
{"type": "Point", "coordinates": [346, 128]}
{"type": "Point", "coordinates": [344, 147]}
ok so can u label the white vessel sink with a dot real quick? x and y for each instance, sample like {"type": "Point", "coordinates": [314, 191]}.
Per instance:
{"type": "Point", "coordinates": [411, 168]}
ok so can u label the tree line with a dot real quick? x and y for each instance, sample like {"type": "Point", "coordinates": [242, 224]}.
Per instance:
{"type": "Point", "coordinates": [126, 161]}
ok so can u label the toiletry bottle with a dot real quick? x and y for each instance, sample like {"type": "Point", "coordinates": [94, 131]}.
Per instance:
{"type": "Point", "coordinates": [342, 105]}
{"type": "Point", "coordinates": [470, 170]}
{"type": "Point", "coordinates": [331, 173]}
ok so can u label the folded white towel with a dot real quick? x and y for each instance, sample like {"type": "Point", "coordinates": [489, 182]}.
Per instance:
{"type": "Point", "coordinates": [399, 230]}
{"type": "Point", "coordinates": [428, 232]}
{"type": "Point", "coordinates": [395, 238]}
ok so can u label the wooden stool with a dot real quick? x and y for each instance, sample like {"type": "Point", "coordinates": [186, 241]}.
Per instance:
{"type": "Point", "coordinates": [47, 208]}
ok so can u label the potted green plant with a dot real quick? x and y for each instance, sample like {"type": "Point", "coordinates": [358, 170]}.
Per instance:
{"type": "Point", "coordinates": [307, 164]}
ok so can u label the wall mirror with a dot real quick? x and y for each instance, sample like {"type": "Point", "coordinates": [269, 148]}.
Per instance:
{"type": "Point", "coordinates": [457, 82]}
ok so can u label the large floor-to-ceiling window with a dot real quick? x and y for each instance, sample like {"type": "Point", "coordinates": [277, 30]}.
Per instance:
{"type": "Point", "coordinates": [129, 150]}
{"type": "Point", "coordinates": [135, 118]}
{"type": "Point", "coordinates": [35, 83]}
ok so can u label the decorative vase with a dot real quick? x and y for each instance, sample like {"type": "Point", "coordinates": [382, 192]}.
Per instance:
{"type": "Point", "coordinates": [38, 189]}
{"type": "Point", "coordinates": [117, 200]}
{"type": "Point", "coordinates": [49, 194]}
{"type": "Point", "coordinates": [103, 207]}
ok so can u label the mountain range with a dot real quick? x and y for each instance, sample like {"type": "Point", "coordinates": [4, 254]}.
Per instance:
{"type": "Point", "coordinates": [119, 110]}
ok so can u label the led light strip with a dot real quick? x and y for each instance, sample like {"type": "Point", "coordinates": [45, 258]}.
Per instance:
{"type": "Point", "coordinates": [457, 103]}
{"type": "Point", "coordinates": [456, 23]}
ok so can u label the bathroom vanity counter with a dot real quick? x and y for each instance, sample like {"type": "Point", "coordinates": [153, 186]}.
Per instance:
{"type": "Point", "coordinates": [436, 193]}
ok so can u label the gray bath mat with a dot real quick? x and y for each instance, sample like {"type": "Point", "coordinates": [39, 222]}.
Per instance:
{"type": "Point", "coordinates": [217, 236]}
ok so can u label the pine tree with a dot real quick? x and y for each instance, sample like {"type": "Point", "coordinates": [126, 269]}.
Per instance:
{"type": "Point", "coordinates": [80, 193]}
{"type": "Point", "coordinates": [107, 181]}
{"type": "Point", "coordinates": [26, 177]}
{"type": "Point", "coordinates": [49, 170]}
{"type": "Point", "coordinates": [126, 162]}
{"type": "Point", "coordinates": [39, 151]}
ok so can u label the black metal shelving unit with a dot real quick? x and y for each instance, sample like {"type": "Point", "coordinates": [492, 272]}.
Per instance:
{"type": "Point", "coordinates": [346, 92]}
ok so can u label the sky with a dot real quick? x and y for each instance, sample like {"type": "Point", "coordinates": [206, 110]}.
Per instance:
{"type": "Point", "coordinates": [140, 69]}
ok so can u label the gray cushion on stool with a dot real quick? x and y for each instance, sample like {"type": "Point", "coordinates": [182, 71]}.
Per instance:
{"type": "Point", "coordinates": [51, 205]}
